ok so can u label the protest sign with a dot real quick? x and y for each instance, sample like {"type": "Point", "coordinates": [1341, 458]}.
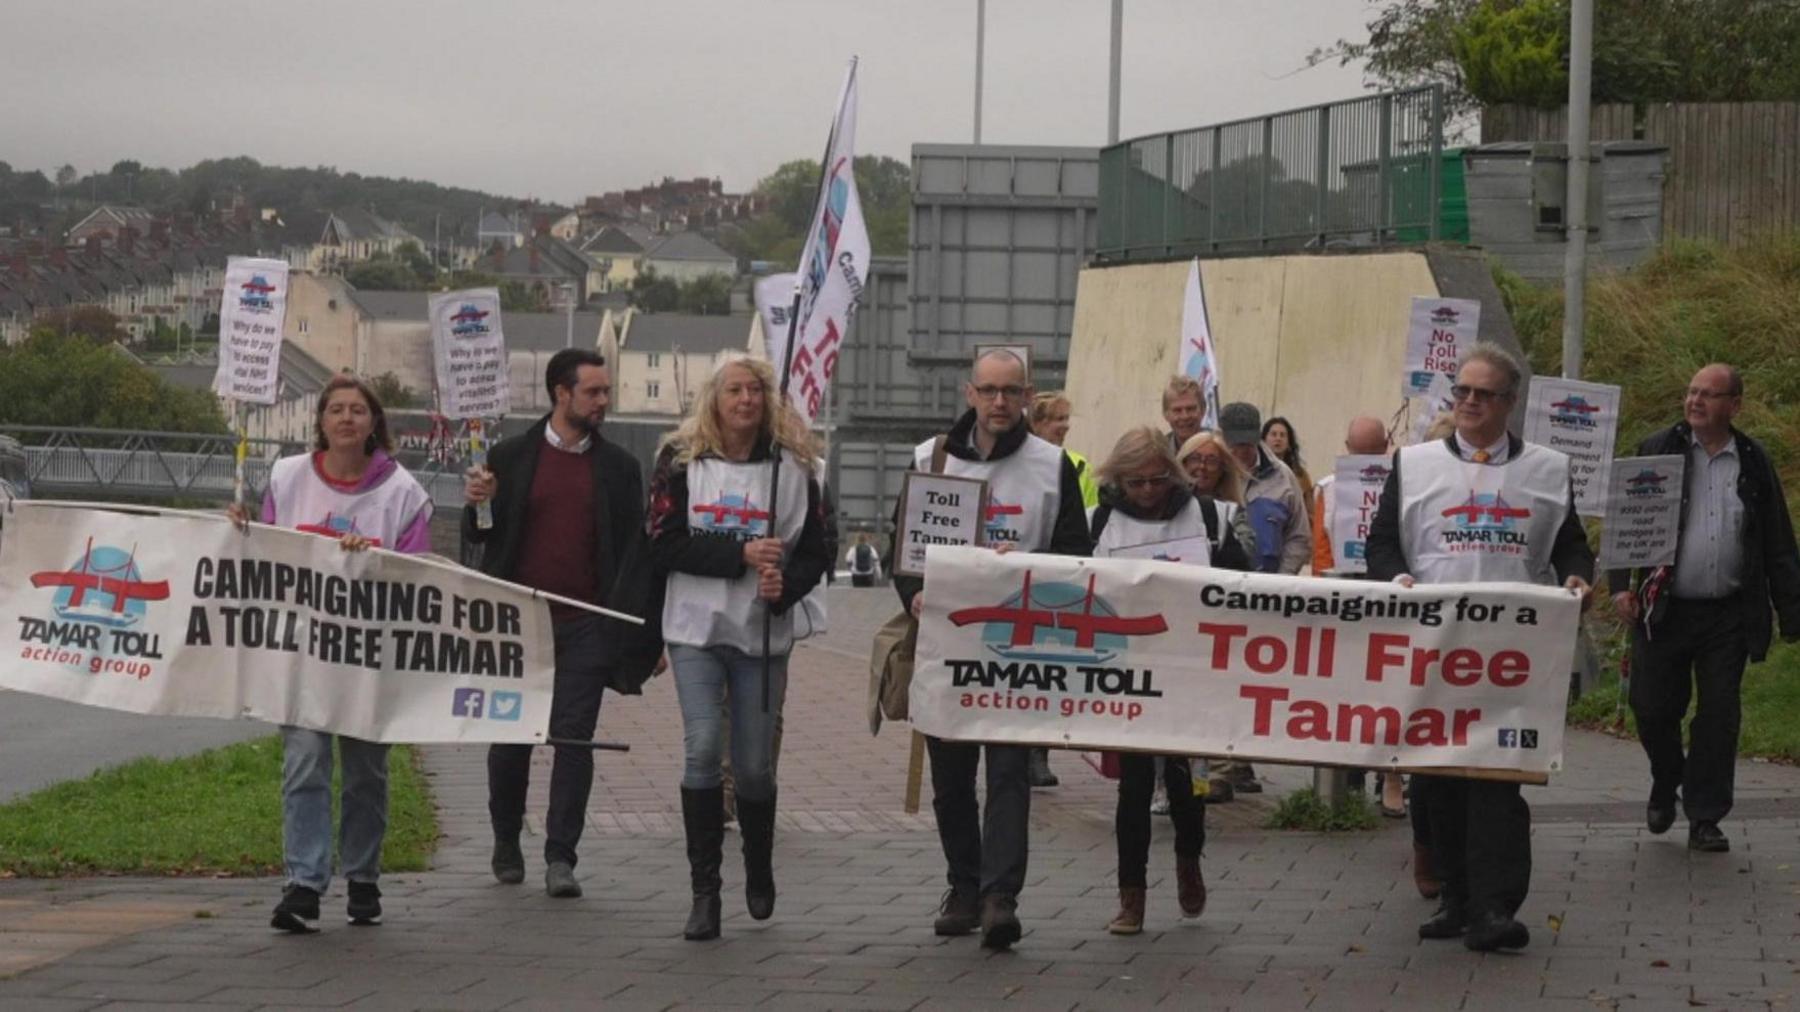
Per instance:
{"type": "Point", "coordinates": [1432, 404]}
{"type": "Point", "coordinates": [185, 616]}
{"type": "Point", "coordinates": [937, 509]}
{"type": "Point", "coordinates": [469, 350]}
{"type": "Point", "coordinates": [1439, 332]}
{"type": "Point", "coordinates": [1355, 491]}
{"type": "Point", "coordinates": [251, 311]}
{"type": "Point", "coordinates": [1643, 512]}
{"type": "Point", "coordinates": [1123, 654]}
{"type": "Point", "coordinates": [1580, 420]}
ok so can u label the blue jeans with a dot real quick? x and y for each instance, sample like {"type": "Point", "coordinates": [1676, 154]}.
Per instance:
{"type": "Point", "coordinates": [716, 684]}
{"type": "Point", "coordinates": [306, 807]}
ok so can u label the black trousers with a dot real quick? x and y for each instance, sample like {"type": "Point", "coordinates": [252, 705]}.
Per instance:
{"type": "Point", "coordinates": [1702, 644]}
{"type": "Point", "coordinates": [574, 713]}
{"type": "Point", "coordinates": [1480, 841]}
{"type": "Point", "coordinates": [1131, 821]}
{"type": "Point", "coordinates": [986, 853]}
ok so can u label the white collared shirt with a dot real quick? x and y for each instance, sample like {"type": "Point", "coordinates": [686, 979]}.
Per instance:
{"type": "Point", "coordinates": [1497, 453]}
{"type": "Point", "coordinates": [1709, 560]}
{"type": "Point", "coordinates": [556, 441]}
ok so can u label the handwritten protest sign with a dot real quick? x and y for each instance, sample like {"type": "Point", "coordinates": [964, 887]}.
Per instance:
{"type": "Point", "coordinates": [1123, 654]}
{"type": "Point", "coordinates": [937, 509]}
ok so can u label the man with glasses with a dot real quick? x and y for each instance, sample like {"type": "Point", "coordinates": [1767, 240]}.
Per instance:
{"type": "Point", "coordinates": [1034, 505]}
{"type": "Point", "coordinates": [1699, 620]}
{"type": "Point", "coordinates": [1480, 829]}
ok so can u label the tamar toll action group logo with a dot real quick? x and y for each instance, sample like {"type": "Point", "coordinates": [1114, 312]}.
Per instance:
{"type": "Point", "coordinates": [1645, 484]}
{"type": "Point", "coordinates": [334, 526]}
{"type": "Point", "coordinates": [732, 514]}
{"type": "Point", "coordinates": [253, 295]}
{"type": "Point", "coordinates": [1486, 521]}
{"type": "Point", "coordinates": [469, 321]}
{"type": "Point", "coordinates": [1000, 519]}
{"type": "Point", "coordinates": [97, 605]}
{"type": "Point", "coordinates": [1445, 316]}
{"type": "Point", "coordinates": [1059, 622]}
{"type": "Point", "coordinates": [1573, 412]}
{"type": "Point", "coordinates": [1375, 472]}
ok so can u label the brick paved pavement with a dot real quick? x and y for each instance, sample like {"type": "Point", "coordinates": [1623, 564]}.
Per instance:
{"type": "Point", "coordinates": [1294, 920]}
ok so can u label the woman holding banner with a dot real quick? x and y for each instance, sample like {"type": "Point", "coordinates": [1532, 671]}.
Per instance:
{"type": "Point", "coordinates": [347, 488]}
{"type": "Point", "coordinates": [710, 532]}
{"type": "Point", "coordinates": [1146, 511]}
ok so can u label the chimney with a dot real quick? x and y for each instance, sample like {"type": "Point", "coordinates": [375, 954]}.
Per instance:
{"type": "Point", "coordinates": [540, 225]}
{"type": "Point", "coordinates": [21, 267]}
{"type": "Point", "coordinates": [128, 240]}
{"type": "Point", "coordinates": [93, 247]}
{"type": "Point", "coordinates": [159, 233]}
{"type": "Point", "coordinates": [499, 256]}
{"type": "Point", "coordinates": [59, 257]}
{"type": "Point", "coordinates": [535, 259]}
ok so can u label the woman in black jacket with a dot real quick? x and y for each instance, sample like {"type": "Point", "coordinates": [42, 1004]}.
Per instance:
{"type": "Point", "coordinates": [1145, 502]}
{"type": "Point", "coordinates": [710, 531]}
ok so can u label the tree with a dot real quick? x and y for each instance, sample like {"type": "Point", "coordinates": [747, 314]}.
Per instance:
{"type": "Point", "coordinates": [1514, 54]}
{"type": "Point", "coordinates": [516, 298]}
{"type": "Point", "coordinates": [393, 394]}
{"type": "Point", "coordinates": [654, 293]}
{"type": "Point", "coordinates": [384, 274]}
{"type": "Point", "coordinates": [94, 323]}
{"type": "Point", "coordinates": [883, 185]}
{"type": "Point", "coordinates": [49, 379]}
{"type": "Point", "coordinates": [709, 295]}
{"type": "Point", "coordinates": [65, 176]}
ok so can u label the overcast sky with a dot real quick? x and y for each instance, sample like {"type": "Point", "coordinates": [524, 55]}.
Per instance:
{"type": "Point", "coordinates": [561, 98]}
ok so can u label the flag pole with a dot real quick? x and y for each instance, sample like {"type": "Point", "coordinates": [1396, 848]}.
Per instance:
{"type": "Point", "coordinates": [787, 363]}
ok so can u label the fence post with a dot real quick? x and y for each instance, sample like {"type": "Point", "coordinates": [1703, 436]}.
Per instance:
{"type": "Point", "coordinates": [1384, 185]}
{"type": "Point", "coordinates": [1324, 181]}
{"type": "Point", "coordinates": [1262, 198]}
{"type": "Point", "coordinates": [1437, 158]}
{"type": "Point", "coordinates": [1168, 187]}
{"type": "Point", "coordinates": [1212, 194]}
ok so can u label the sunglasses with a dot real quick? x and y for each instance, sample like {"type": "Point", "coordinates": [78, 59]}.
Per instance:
{"type": "Point", "coordinates": [1135, 484]}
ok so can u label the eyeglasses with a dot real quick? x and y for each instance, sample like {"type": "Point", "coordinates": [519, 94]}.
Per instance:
{"type": "Point", "coordinates": [1205, 460]}
{"type": "Point", "coordinates": [989, 392]}
{"type": "Point", "coordinates": [1155, 481]}
{"type": "Point", "coordinates": [1480, 395]}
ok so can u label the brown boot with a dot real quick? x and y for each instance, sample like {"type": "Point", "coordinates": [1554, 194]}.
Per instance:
{"type": "Point", "coordinates": [1190, 888]}
{"type": "Point", "coordinates": [1423, 875]}
{"type": "Point", "coordinates": [1130, 918]}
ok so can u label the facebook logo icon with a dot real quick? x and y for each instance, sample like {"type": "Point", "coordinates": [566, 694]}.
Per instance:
{"type": "Point", "coordinates": [466, 703]}
{"type": "Point", "coordinates": [1509, 737]}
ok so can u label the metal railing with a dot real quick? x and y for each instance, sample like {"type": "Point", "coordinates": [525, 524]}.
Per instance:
{"type": "Point", "coordinates": [172, 465]}
{"type": "Point", "coordinates": [1362, 172]}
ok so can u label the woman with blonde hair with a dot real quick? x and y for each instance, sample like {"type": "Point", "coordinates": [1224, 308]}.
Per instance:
{"type": "Point", "coordinates": [1213, 471]}
{"type": "Point", "coordinates": [1144, 500]}
{"type": "Point", "coordinates": [710, 532]}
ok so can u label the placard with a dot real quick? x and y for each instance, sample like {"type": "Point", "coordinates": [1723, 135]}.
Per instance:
{"type": "Point", "coordinates": [469, 350]}
{"type": "Point", "coordinates": [1356, 491]}
{"type": "Point", "coordinates": [252, 309]}
{"type": "Point", "coordinates": [1643, 512]}
{"type": "Point", "coordinates": [1580, 420]}
{"type": "Point", "coordinates": [1037, 649]}
{"type": "Point", "coordinates": [1439, 332]}
{"type": "Point", "coordinates": [937, 509]}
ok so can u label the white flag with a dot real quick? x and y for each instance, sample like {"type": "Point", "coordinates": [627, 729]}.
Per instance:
{"type": "Point", "coordinates": [833, 266]}
{"type": "Point", "coordinates": [469, 350]}
{"type": "Point", "coordinates": [774, 297]}
{"type": "Point", "coordinates": [251, 311]}
{"type": "Point", "coordinates": [1197, 356]}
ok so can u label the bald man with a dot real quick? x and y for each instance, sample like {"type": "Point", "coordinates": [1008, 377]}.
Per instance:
{"type": "Point", "coordinates": [1696, 623]}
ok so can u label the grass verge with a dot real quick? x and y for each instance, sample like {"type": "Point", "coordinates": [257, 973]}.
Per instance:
{"type": "Point", "coordinates": [1304, 809]}
{"type": "Point", "coordinates": [216, 813]}
{"type": "Point", "coordinates": [1771, 697]}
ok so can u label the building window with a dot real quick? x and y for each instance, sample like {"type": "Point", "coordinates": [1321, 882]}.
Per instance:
{"type": "Point", "coordinates": [653, 389]}
{"type": "Point", "coordinates": [302, 326]}
{"type": "Point", "coordinates": [654, 360]}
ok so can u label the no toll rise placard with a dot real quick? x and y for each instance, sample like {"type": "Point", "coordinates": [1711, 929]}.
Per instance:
{"type": "Point", "coordinates": [937, 509]}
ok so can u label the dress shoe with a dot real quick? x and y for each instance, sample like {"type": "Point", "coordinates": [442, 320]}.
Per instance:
{"type": "Point", "coordinates": [1659, 815]}
{"type": "Point", "coordinates": [1449, 921]}
{"type": "Point", "coordinates": [1706, 837]}
{"type": "Point", "coordinates": [999, 921]}
{"type": "Point", "coordinates": [1489, 932]}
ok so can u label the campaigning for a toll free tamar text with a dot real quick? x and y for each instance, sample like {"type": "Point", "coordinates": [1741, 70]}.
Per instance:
{"type": "Point", "coordinates": [1159, 657]}
{"type": "Point", "coordinates": [189, 617]}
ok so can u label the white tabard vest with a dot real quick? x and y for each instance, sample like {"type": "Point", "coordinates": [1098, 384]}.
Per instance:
{"type": "Point", "coordinates": [732, 500]}
{"type": "Point", "coordinates": [1024, 490]}
{"type": "Point", "coordinates": [1465, 522]}
{"type": "Point", "coordinates": [304, 502]}
{"type": "Point", "coordinates": [1122, 532]}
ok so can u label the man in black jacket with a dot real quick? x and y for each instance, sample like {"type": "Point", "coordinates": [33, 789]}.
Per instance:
{"type": "Point", "coordinates": [566, 504]}
{"type": "Point", "coordinates": [1480, 829]}
{"type": "Point", "coordinates": [1034, 506]}
{"type": "Point", "coordinates": [1699, 620]}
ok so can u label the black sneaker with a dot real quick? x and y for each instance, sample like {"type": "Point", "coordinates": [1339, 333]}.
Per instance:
{"type": "Point", "coordinates": [509, 860]}
{"type": "Point", "coordinates": [364, 909]}
{"type": "Point", "coordinates": [1706, 837]}
{"type": "Point", "coordinates": [298, 911]}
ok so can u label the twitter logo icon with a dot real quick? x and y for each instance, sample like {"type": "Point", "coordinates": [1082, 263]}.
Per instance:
{"type": "Point", "coordinates": [505, 706]}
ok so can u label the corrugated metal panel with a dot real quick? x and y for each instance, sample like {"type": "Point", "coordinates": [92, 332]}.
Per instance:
{"type": "Point", "coordinates": [866, 480]}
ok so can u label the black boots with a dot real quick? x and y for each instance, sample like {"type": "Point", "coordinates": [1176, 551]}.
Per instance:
{"type": "Point", "coordinates": [756, 821]}
{"type": "Point", "coordinates": [703, 813]}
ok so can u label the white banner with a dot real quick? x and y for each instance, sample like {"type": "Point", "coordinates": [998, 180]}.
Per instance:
{"type": "Point", "coordinates": [1355, 491]}
{"type": "Point", "coordinates": [251, 312]}
{"type": "Point", "coordinates": [1439, 332]}
{"type": "Point", "coordinates": [185, 616]}
{"type": "Point", "coordinates": [1161, 657]}
{"type": "Point", "coordinates": [774, 297]}
{"type": "Point", "coordinates": [1580, 420]}
{"type": "Point", "coordinates": [833, 265]}
{"type": "Point", "coordinates": [1643, 512]}
{"type": "Point", "coordinates": [1197, 356]}
{"type": "Point", "coordinates": [469, 350]}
